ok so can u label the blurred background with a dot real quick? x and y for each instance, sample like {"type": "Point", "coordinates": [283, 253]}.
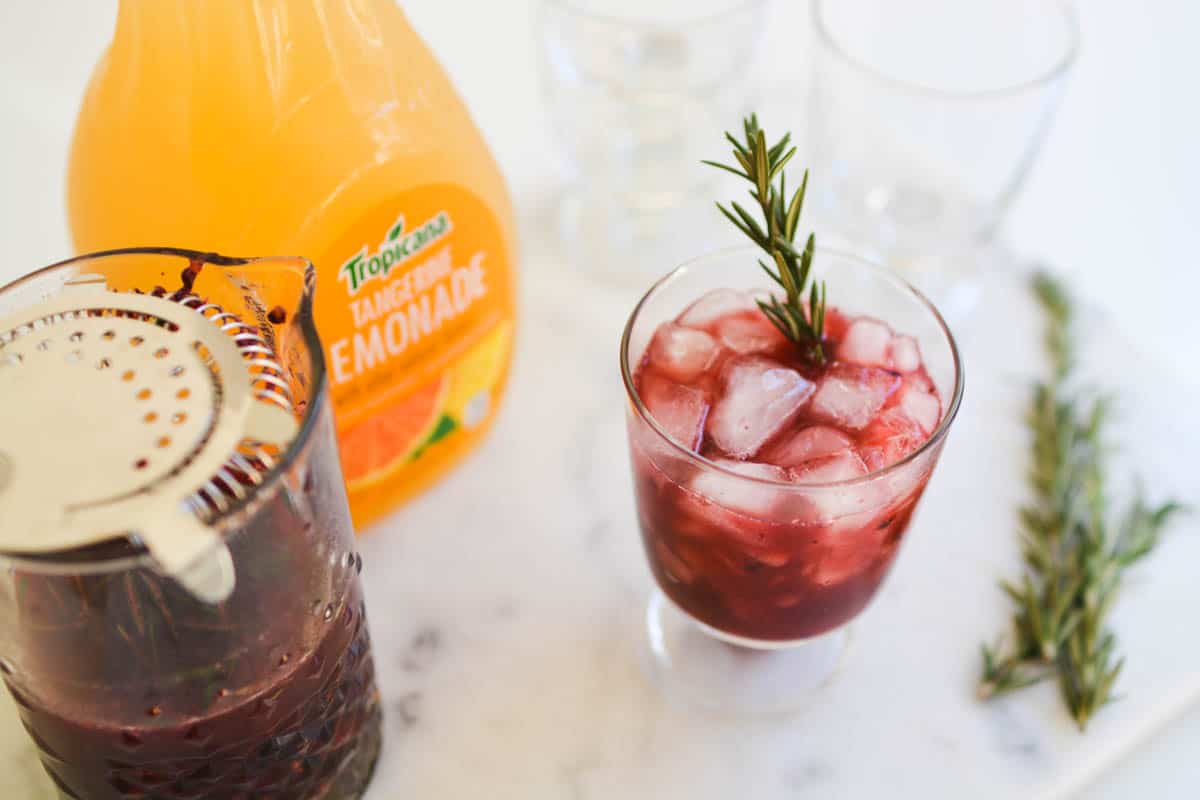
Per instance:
{"type": "Point", "coordinates": [1092, 174]}
{"type": "Point", "coordinates": [1108, 197]}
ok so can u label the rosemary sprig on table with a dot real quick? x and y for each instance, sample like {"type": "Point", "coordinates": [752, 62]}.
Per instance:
{"type": "Point", "coordinates": [1075, 556]}
{"type": "Point", "coordinates": [760, 164]}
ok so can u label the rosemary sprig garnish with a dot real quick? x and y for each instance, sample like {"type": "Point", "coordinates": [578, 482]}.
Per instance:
{"type": "Point", "coordinates": [761, 164]}
{"type": "Point", "coordinates": [1074, 555]}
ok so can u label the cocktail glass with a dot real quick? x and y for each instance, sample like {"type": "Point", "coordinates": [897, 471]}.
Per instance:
{"type": "Point", "coordinates": [758, 578]}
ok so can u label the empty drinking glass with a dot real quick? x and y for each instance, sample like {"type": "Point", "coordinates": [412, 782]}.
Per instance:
{"type": "Point", "coordinates": [635, 90]}
{"type": "Point", "coordinates": [925, 117]}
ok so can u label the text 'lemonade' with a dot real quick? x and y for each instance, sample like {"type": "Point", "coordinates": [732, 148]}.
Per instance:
{"type": "Point", "coordinates": [743, 556]}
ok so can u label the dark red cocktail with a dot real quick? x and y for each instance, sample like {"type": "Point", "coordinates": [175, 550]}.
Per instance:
{"type": "Point", "coordinates": [773, 491]}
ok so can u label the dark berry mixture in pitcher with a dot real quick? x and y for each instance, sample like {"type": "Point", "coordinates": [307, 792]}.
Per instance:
{"type": "Point", "coordinates": [291, 740]}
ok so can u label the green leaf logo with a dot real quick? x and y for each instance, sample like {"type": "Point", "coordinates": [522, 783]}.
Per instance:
{"type": "Point", "coordinates": [396, 230]}
{"type": "Point", "coordinates": [396, 248]}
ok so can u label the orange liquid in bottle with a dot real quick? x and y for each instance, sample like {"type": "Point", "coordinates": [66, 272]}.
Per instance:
{"type": "Point", "coordinates": [322, 128]}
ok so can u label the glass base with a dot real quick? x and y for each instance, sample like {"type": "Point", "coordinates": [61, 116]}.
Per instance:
{"type": "Point", "coordinates": [700, 667]}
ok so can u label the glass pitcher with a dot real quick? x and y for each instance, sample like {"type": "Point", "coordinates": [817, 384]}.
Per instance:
{"type": "Point", "coordinates": [181, 613]}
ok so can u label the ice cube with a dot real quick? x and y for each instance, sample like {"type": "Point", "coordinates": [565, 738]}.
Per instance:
{"type": "Point", "coordinates": [672, 564]}
{"type": "Point", "coordinates": [748, 497]}
{"type": "Point", "coordinates": [753, 469]}
{"type": "Point", "coordinates": [678, 410]}
{"type": "Point", "coordinates": [841, 506]}
{"type": "Point", "coordinates": [867, 342]}
{"type": "Point", "coordinates": [920, 381]}
{"type": "Point", "coordinates": [759, 398]}
{"type": "Point", "coordinates": [845, 555]}
{"type": "Point", "coordinates": [849, 396]}
{"type": "Point", "coordinates": [714, 305]}
{"type": "Point", "coordinates": [906, 355]}
{"type": "Point", "coordinates": [923, 408]}
{"type": "Point", "coordinates": [812, 442]}
{"type": "Point", "coordinates": [680, 353]}
{"type": "Point", "coordinates": [720, 504]}
{"type": "Point", "coordinates": [776, 557]}
{"type": "Point", "coordinates": [839, 466]}
{"type": "Point", "coordinates": [890, 437]}
{"type": "Point", "coordinates": [749, 333]}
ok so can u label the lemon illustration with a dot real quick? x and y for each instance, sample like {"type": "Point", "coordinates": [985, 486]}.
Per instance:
{"type": "Point", "coordinates": [473, 378]}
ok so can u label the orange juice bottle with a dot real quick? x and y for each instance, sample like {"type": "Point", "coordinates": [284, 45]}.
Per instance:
{"type": "Point", "coordinates": [322, 128]}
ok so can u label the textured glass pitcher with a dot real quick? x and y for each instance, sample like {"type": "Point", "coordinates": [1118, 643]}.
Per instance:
{"type": "Point", "coordinates": [244, 669]}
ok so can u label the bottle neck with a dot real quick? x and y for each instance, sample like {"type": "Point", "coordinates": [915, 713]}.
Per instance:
{"type": "Point", "coordinates": [175, 21]}
{"type": "Point", "coordinates": [173, 37]}
{"type": "Point", "coordinates": [241, 37]}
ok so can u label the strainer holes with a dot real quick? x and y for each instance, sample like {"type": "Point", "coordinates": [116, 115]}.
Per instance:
{"type": "Point", "coordinates": [184, 393]}
{"type": "Point", "coordinates": [161, 352]}
{"type": "Point", "coordinates": [12, 360]}
{"type": "Point", "coordinates": [75, 356]}
{"type": "Point", "coordinates": [43, 345]}
{"type": "Point", "coordinates": [77, 336]}
{"type": "Point", "coordinates": [127, 375]}
{"type": "Point", "coordinates": [141, 463]}
{"type": "Point", "coordinates": [136, 340]}
{"type": "Point", "coordinates": [109, 335]}
{"type": "Point", "coordinates": [151, 416]}
{"type": "Point", "coordinates": [144, 394]}
{"type": "Point", "coordinates": [176, 371]}
{"type": "Point", "coordinates": [163, 441]}
{"type": "Point", "coordinates": [179, 418]}
{"type": "Point", "coordinates": [104, 363]}
{"type": "Point", "coordinates": [203, 352]}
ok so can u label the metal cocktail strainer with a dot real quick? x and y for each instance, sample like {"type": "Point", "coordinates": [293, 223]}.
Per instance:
{"type": "Point", "coordinates": [172, 409]}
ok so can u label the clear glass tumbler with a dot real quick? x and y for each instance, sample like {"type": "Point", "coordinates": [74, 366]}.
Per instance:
{"type": "Point", "coordinates": [132, 686]}
{"type": "Point", "coordinates": [751, 609]}
{"type": "Point", "coordinates": [634, 90]}
{"type": "Point", "coordinates": [924, 120]}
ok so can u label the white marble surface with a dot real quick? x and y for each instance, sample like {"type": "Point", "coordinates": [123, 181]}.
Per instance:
{"type": "Point", "coordinates": [525, 569]}
{"type": "Point", "coordinates": [505, 602]}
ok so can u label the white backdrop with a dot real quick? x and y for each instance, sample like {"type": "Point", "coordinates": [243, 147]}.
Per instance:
{"type": "Point", "coordinates": [1112, 200]}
